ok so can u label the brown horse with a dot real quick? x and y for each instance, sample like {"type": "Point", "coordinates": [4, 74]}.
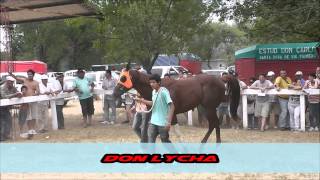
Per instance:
{"type": "Point", "coordinates": [205, 90]}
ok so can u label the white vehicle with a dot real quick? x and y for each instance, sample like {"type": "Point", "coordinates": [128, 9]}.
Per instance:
{"type": "Point", "coordinates": [71, 73]}
{"type": "Point", "coordinates": [215, 72]}
{"type": "Point", "coordinates": [173, 71]}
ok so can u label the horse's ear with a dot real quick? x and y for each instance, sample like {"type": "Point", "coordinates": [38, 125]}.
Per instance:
{"type": "Point", "coordinates": [128, 66]}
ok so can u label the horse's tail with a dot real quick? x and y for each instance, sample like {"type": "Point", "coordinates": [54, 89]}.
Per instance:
{"type": "Point", "coordinates": [234, 95]}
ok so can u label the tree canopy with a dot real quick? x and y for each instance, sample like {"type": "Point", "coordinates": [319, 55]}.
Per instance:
{"type": "Point", "coordinates": [275, 20]}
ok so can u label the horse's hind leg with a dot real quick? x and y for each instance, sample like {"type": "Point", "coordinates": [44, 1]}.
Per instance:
{"type": "Point", "coordinates": [212, 117]}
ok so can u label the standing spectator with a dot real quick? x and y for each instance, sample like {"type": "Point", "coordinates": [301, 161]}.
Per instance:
{"type": "Point", "coordinates": [7, 90]}
{"type": "Point", "coordinates": [299, 76]}
{"type": "Point", "coordinates": [283, 82]}
{"type": "Point", "coordinates": [294, 106]}
{"type": "Point", "coordinates": [223, 109]}
{"type": "Point", "coordinates": [32, 90]}
{"type": "Point", "coordinates": [84, 88]}
{"type": "Point", "coordinates": [318, 73]}
{"type": "Point", "coordinates": [45, 89]}
{"type": "Point", "coordinates": [252, 121]}
{"type": "Point", "coordinates": [167, 76]}
{"type": "Point", "coordinates": [262, 103]}
{"type": "Point", "coordinates": [274, 103]}
{"type": "Point", "coordinates": [140, 123]}
{"type": "Point", "coordinates": [109, 83]}
{"type": "Point", "coordinates": [128, 104]}
{"type": "Point", "coordinates": [60, 86]}
{"type": "Point", "coordinates": [314, 102]}
{"type": "Point", "coordinates": [162, 112]}
{"type": "Point", "coordinates": [240, 108]}
{"type": "Point", "coordinates": [23, 113]}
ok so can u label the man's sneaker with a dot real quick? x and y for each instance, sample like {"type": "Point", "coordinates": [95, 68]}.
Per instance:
{"type": "Point", "coordinates": [105, 122]}
{"type": "Point", "coordinates": [43, 131]}
{"type": "Point", "coordinates": [125, 122]}
{"type": "Point", "coordinates": [111, 122]}
{"type": "Point", "coordinates": [316, 129]}
{"type": "Point", "coordinates": [311, 129]}
{"type": "Point", "coordinates": [24, 135]}
{"type": "Point", "coordinates": [34, 132]}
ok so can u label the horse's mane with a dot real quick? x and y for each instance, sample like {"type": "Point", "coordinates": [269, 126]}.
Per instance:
{"type": "Point", "coordinates": [138, 77]}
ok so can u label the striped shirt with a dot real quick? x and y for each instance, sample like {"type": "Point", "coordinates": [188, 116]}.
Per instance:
{"type": "Point", "coordinates": [313, 85]}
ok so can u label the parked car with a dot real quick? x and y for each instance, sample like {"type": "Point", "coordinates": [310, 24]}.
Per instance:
{"type": "Point", "coordinates": [215, 72]}
{"type": "Point", "coordinates": [173, 71]}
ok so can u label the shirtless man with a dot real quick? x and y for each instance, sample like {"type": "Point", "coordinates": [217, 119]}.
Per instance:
{"type": "Point", "coordinates": [32, 90]}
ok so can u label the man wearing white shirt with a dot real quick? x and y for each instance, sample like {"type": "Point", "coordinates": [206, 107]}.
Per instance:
{"type": "Point", "coordinates": [59, 86]}
{"type": "Point", "coordinates": [45, 89]}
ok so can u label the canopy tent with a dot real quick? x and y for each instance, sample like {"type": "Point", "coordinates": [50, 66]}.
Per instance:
{"type": "Point", "coordinates": [22, 11]}
{"type": "Point", "coordinates": [286, 51]}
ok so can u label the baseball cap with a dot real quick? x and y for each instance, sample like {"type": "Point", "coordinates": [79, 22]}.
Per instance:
{"type": "Point", "coordinates": [9, 78]}
{"type": "Point", "coordinates": [299, 73]}
{"type": "Point", "coordinates": [44, 77]}
{"type": "Point", "coordinates": [270, 73]}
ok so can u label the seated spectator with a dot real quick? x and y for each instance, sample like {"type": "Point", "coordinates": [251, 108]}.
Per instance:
{"type": "Point", "coordinates": [262, 103]}
{"type": "Point", "coordinates": [294, 106]}
{"type": "Point", "coordinates": [314, 102]}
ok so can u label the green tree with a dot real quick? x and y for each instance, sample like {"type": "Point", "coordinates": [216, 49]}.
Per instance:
{"type": "Point", "coordinates": [140, 30]}
{"type": "Point", "coordinates": [217, 41]}
{"type": "Point", "coordinates": [62, 44]}
{"type": "Point", "coordinates": [276, 20]}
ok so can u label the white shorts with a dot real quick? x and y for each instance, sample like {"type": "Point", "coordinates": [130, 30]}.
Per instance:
{"type": "Point", "coordinates": [33, 111]}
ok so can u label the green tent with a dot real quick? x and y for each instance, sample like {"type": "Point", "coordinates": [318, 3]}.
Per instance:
{"type": "Point", "coordinates": [287, 51]}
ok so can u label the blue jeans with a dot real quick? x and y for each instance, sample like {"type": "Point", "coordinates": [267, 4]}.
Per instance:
{"type": "Point", "coordinates": [140, 126]}
{"type": "Point", "coordinates": [154, 131]}
{"type": "Point", "coordinates": [283, 117]}
{"type": "Point", "coordinates": [109, 104]}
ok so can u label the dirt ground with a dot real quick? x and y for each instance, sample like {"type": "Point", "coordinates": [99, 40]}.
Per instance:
{"type": "Point", "coordinates": [75, 133]}
{"type": "Point", "coordinates": [99, 133]}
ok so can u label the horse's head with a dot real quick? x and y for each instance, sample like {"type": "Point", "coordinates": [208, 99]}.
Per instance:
{"type": "Point", "coordinates": [124, 83]}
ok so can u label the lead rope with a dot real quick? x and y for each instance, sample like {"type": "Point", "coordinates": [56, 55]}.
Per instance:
{"type": "Point", "coordinates": [152, 103]}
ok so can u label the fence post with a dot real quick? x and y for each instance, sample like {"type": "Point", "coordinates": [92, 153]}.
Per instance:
{"type": "Point", "coordinates": [54, 115]}
{"type": "Point", "coordinates": [245, 111]}
{"type": "Point", "coordinates": [190, 118]}
{"type": "Point", "coordinates": [302, 112]}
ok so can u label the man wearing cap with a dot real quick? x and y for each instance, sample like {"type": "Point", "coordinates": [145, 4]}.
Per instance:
{"type": "Point", "coordinates": [283, 82]}
{"type": "Point", "coordinates": [32, 90]}
{"type": "Point", "coordinates": [60, 86]}
{"type": "Point", "coordinates": [45, 89]}
{"type": "Point", "coordinates": [7, 90]}
{"type": "Point", "coordinates": [84, 88]}
{"type": "Point", "coordinates": [299, 77]}
{"type": "Point", "coordinates": [274, 103]}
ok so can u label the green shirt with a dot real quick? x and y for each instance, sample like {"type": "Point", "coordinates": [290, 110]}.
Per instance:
{"type": "Point", "coordinates": [84, 87]}
{"type": "Point", "coordinates": [160, 106]}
